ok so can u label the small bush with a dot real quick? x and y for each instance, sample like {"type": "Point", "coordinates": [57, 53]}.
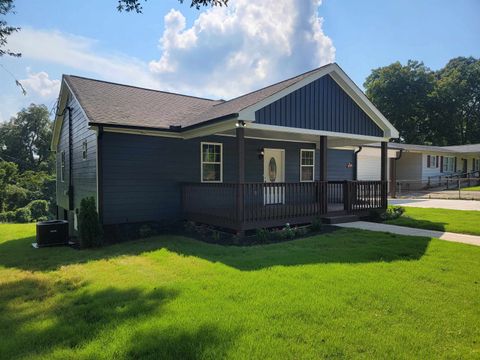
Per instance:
{"type": "Point", "coordinates": [287, 232]}
{"type": "Point", "coordinates": [262, 235]}
{"type": "Point", "coordinates": [301, 231]}
{"type": "Point", "coordinates": [189, 227]}
{"type": "Point", "coordinates": [90, 231]}
{"type": "Point", "coordinates": [316, 224]}
{"type": "Point", "coordinates": [7, 216]}
{"type": "Point", "coordinates": [146, 231]}
{"type": "Point", "coordinates": [43, 218]}
{"type": "Point", "coordinates": [23, 215]}
{"type": "Point", "coordinates": [38, 208]}
{"type": "Point", "coordinates": [391, 213]}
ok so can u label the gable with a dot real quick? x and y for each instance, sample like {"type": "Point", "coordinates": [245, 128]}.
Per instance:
{"type": "Point", "coordinates": [319, 105]}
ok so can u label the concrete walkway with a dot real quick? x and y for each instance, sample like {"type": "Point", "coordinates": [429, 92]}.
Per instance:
{"type": "Point", "coordinates": [403, 230]}
{"type": "Point", "coordinates": [437, 203]}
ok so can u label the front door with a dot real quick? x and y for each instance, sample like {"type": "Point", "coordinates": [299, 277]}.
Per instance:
{"type": "Point", "coordinates": [274, 172]}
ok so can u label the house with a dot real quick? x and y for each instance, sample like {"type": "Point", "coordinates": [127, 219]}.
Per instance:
{"type": "Point", "coordinates": [284, 153]}
{"type": "Point", "coordinates": [419, 166]}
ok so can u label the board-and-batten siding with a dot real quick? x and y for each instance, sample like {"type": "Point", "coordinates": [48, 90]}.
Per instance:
{"type": "Point", "coordinates": [320, 105]}
{"type": "Point", "coordinates": [142, 175]}
{"type": "Point", "coordinates": [83, 171]}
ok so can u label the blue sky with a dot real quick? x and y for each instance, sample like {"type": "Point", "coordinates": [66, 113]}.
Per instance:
{"type": "Point", "coordinates": [222, 53]}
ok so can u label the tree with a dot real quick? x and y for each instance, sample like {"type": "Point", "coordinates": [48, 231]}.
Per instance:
{"type": "Point", "coordinates": [6, 6]}
{"type": "Point", "coordinates": [136, 5]}
{"type": "Point", "coordinates": [401, 93]}
{"type": "Point", "coordinates": [26, 139]}
{"type": "Point", "coordinates": [456, 102]}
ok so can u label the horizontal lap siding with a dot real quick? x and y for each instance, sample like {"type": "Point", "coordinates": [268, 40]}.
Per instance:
{"type": "Point", "coordinates": [84, 178]}
{"type": "Point", "coordinates": [320, 105]}
{"type": "Point", "coordinates": [142, 175]}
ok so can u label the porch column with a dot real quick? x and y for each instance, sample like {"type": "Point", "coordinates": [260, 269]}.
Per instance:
{"type": "Point", "coordinates": [240, 135]}
{"type": "Point", "coordinates": [383, 173]}
{"type": "Point", "coordinates": [323, 158]}
{"type": "Point", "coordinates": [323, 175]}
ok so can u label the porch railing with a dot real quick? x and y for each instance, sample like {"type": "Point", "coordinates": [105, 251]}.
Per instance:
{"type": "Point", "coordinates": [253, 205]}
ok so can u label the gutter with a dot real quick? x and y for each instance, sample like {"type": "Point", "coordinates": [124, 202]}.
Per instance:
{"type": "Point", "coordinates": [70, 159]}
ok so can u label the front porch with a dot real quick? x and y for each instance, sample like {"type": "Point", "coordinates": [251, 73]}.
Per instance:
{"type": "Point", "coordinates": [250, 206]}
{"type": "Point", "coordinates": [299, 198]}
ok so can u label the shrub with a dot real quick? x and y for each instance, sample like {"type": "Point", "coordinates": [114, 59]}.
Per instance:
{"type": "Point", "coordinates": [386, 214]}
{"type": "Point", "coordinates": [262, 235]}
{"type": "Point", "coordinates": [287, 232]}
{"type": "Point", "coordinates": [39, 209]}
{"type": "Point", "coordinates": [301, 231]}
{"type": "Point", "coordinates": [316, 224]}
{"type": "Point", "coordinates": [6, 216]}
{"type": "Point", "coordinates": [90, 231]}
{"type": "Point", "coordinates": [146, 231]}
{"type": "Point", "coordinates": [23, 215]}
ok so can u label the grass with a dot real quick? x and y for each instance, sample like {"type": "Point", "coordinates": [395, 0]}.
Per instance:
{"type": "Point", "coordinates": [347, 294]}
{"type": "Point", "coordinates": [472, 188]}
{"type": "Point", "coordinates": [458, 221]}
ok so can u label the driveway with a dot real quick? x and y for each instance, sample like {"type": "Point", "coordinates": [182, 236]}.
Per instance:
{"type": "Point", "coordinates": [438, 203]}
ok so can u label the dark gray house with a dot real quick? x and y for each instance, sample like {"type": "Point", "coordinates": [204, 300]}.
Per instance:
{"type": "Point", "coordinates": [284, 153]}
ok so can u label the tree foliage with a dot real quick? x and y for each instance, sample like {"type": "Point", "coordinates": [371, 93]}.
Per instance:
{"type": "Point", "coordinates": [26, 139]}
{"type": "Point", "coordinates": [89, 228]}
{"type": "Point", "coordinates": [6, 6]}
{"type": "Point", "coordinates": [430, 107]}
{"type": "Point", "coordinates": [136, 5]}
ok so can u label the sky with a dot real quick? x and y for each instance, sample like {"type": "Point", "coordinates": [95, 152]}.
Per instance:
{"type": "Point", "coordinates": [224, 52]}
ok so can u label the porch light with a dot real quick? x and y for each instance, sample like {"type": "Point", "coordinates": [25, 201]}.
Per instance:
{"type": "Point", "coordinates": [241, 123]}
{"type": "Point", "coordinates": [261, 152]}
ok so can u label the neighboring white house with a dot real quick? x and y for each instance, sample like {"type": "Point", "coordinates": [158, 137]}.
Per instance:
{"type": "Point", "coordinates": [419, 163]}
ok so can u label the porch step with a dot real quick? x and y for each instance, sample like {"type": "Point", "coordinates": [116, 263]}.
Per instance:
{"type": "Point", "coordinates": [340, 219]}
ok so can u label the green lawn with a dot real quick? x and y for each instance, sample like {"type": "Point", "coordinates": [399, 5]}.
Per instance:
{"type": "Point", "coordinates": [472, 188]}
{"type": "Point", "coordinates": [346, 294]}
{"type": "Point", "coordinates": [459, 221]}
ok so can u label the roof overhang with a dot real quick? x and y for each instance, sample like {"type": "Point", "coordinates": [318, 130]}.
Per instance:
{"type": "Point", "coordinates": [342, 79]}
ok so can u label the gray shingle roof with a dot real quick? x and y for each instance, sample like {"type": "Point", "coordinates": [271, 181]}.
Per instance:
{"type": "Point", "coordinates": [117, 104]}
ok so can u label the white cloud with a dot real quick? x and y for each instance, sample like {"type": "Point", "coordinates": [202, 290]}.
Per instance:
{"type": "Point", "coordinates": [80, 53]}
{"type": "Point", "coordinates": [41, 84]}
{"type": "Point", "coordinates": [229, 51]}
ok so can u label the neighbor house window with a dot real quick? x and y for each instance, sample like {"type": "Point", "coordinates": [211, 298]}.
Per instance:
{"type": "Point", "coordinates": [211, 166]}
{"type": "Point", "coordinates": [476, 164]}
{"type": "Point", "coordinates": [62, 166]}
{"type": "Point", "coordinates": [432, 161]}
{"type": "Point", "coordinates": [84, 149]}
{"type": "Point", "coordinates": [307, 165]}
{"type": "Point", "coordinates": [448, 164]}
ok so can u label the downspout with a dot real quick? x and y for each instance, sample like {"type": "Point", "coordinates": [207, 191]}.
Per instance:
{"type": "Point", "coordinates": [70, 159]}
{"type": "Point", "coordinates": [355, 167]}
{"type": "Point", "coordinates": [100, 174]}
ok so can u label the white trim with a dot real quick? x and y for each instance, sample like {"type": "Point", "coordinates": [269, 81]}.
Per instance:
{"type": "Point", "coordinates": [270, 139]}
{"type": "Point", "coordinates": [339, 76]}
{"type": "Point", "coordinates": [202, 162]}
{"type": "Point", "coordinates": [315, 132]}
{"type": "Point", "coordinates": [210, 129]}
{"type": "Point", "coordinates": [312, 166]}
{"type": "Point", "coordinates": [167, 134]}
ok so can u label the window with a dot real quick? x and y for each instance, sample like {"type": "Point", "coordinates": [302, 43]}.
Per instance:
{"type": "Point", "coordinates": [432, 161]}
{"type": "Point", "coordinates": [448, 164]}
{"type": "Point", "coordinates": [211, 160]}
{"type": "Point", "coordinates": [476, 164]}
{"type": "Point", "coordinates": [84, 150]}
{"type": "Point", "coordinates": [307, 165]}
{"type": "Point", "coordinates": [62, 166]}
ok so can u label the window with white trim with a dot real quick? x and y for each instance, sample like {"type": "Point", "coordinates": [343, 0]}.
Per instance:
{"type": "Point", "coordinates": [307, 165]}
{"type": "Point", "coordinates": [448, 164]}
{"type": "Point", "coordinates": [62, 166]}
{"type": "Point", "coordinates": [211, 162]}
{"type": "Point", "coordinates": [84, 149]}
{"type": "Point", "coordinates": [476, 164]}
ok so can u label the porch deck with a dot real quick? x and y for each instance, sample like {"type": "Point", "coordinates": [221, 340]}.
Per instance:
{"type": "Point", "coordinates": [249, 206]}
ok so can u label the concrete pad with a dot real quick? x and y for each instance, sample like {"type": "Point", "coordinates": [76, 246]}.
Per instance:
{"type": "Point", "coordinates": [438, 203]}
{"type": "Point", "coordinates": [403, 230]}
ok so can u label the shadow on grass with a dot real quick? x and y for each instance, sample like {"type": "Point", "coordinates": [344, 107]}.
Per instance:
{"type": "Point", "coordinates": [39, 316]}
{"type": "Point", "coordinates": [340, 246]}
